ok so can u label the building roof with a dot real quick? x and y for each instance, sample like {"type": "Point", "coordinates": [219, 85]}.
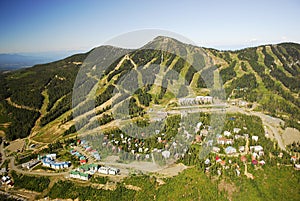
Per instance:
{"type": "Point", "coordinates": [74, 172]}
{"type": "Point", "coordinates": [243, 158]}
{"type": "Point", "coordinates": [87, 166]}
{"type": "Point", "coordinates": [254, 162]}
{"type": "Point", "coordinates": [230, 149]}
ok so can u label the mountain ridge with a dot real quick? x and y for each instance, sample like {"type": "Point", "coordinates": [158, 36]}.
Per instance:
{"type": "Point", "coordinates": [267, 74]}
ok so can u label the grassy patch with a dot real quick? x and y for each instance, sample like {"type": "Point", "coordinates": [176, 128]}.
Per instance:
{"type": "Point", "coordinates": [5, 163]}
{"type": "Point", "coordinates": [99, 179]}
{"type": "Point", "coordinates": [41, 167]}
{"type": "Point", "coordinates": [67, 189]}
{"type": "Point", "coordinates": [22, 74]}
{"type": "Point", "coordinates": [32, 183]}
{"type": "Point", "coordinates": [272, 183]}
{"type": "Point", "coordinates": [190, 185]}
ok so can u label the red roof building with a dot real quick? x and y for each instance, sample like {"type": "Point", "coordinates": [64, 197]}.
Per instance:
{"type": "Point", "coordinates": [243, 158]}
{"type": "Point", "coordinates": [254, 162]}
{"type": "Point", "coordinates": [198, 138]}
{"type": "Point", "coordinates": [223, 163]}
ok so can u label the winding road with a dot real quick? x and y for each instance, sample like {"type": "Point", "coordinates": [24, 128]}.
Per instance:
{"type": "Point", "coordinates": [272, 124]}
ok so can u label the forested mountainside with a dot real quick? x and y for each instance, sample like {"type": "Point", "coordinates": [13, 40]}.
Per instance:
{"type": "Point", "coordinates": [39, 99]}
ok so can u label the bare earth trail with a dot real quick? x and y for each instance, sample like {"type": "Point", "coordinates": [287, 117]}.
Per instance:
{"type": "Point", "coordinates": [20, 106]}
{"type": "Point", "coordinates": [43, 111]}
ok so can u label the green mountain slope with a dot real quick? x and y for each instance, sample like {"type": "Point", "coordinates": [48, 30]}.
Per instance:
{"type": "Point", "coordinates": [38, 100]}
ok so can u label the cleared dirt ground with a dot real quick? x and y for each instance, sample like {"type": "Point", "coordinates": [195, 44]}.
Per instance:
{"type": "Point", "coordinates": [16, 145]}
{"type": "Point", "coordinates": [290, 135]}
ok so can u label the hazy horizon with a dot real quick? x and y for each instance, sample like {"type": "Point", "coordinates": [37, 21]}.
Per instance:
{"type": "Point", "coordinates": [52, 26]}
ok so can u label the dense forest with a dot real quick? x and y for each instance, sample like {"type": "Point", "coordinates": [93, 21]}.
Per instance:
{"type": "Point", "coordinates": [30, 182]}
{"type": "Point", "coordinates": [191, 184]}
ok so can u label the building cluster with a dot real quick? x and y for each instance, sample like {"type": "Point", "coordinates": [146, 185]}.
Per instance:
{"type": "Point", "coordinates": [86, 171]}
{"type": "Point", "coordinates": [198, 100]}
{"type": "Point", "coordinates": [108, 170]}
{"type": "Point", "coordinates": [240, 103]}
{"type": "Point", "coordinates": [131, 148]}
{"type": "Point", "coordinates": [82, 159]}
{"type": "Point", "coordinates": [80, 175]}
{"type": "Point", "coordinates": [6, 180]}
{"type": "Point", "coordinates": [295, 161]}
{"type": "Point", "coordinates": [224, 165]}
{"type": "Point", "coordinates": [94, 153]}
{"type": "Point", "coordinates": [49, 161]}
{"type": "Point", "coordinates": [30, 164]}
{"type": "Point", "coordinates": [227, 141]}
{"type": "Point", "coordinates": [134, 147]}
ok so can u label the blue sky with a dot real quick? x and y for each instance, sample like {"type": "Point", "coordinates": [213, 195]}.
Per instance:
{"type": "Point", "coordinates": [61, 25]}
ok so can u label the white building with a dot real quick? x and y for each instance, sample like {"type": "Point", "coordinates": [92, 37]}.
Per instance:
{"type": "Point", "coordinates": [230, 150]}
{"type": "Point", "coordinates": [227, 133]}
{"type": "Point", "coordinates": [207, 162]}
{"type": "Point", "coordinates": [113, 171]}
{"type": "Point", "coordinates": [199, 124]}
{"type": "Point", "coordinates": [257, 148]}
{"type": "Point", "coordinates": [204, 99]}
{"type": "Point", "coordinates": [48, 161]}
{"type": "Point", "coordinates": [80, 175]}
{"type": "Point", "coordinates": [103, 170]}
{"type": "Point", "coordinates": [216, 149]}
{"type": "Point", "coordinates": [30, 164]}
{"type": "Point", "coordinates": [166, 154]}
{"type": "Point", "coordinates": [255, 138]}
{"type": "Point", "coordinates": [195, 101]}
{"type": "Point", "coordinates": [109, 170]}
{"type": "Point", "coordinates": [236, 130]}
{"type": "Point", "coordinates": [242, 148]}
{"type": "Point", "coordinates": [51, 156]}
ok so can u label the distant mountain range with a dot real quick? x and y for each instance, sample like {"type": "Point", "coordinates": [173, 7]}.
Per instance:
{"type": "Point", "coordinates": [16, 61]}
{"type": "Point", "coordinates": [24, 60]}
{"type": "Point", "coordinates": [267, 76]}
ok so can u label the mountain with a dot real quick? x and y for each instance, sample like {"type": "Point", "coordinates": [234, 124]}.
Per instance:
{"type": "Point", "coordinates": [38, 100]}
{"type": "Point", "coordinates": [16, 61]}
{"type": "Point", "coordinates": [137, 108]}
{"type": "Point", "coordinates": [25, 60]}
